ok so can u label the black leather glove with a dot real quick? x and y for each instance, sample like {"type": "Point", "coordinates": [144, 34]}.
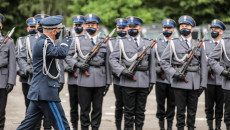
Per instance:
{"type": "Point", "coordinates": [9, 87]}
{"type": "Point", "coordinates": [69, 70]}
{"type": "Point", "coordinates": [127, 73]}
{"type": "Point", "coordinates": [82, 66]}
{"type": "Point", "coordinates": [30, 71]}
{"type": "Point", "coordinates": [150, 87]}
{"type": "Point", "coordinates": [106, 89]}
{"type": "Point", "coordinates": [22, 74]}
{"type": "Point", "coordinates": [159, 70]}
{"type": "Point", "coordinates": [225, 73]}
{"type": "Point", "coordinates": [61, 85]}
{"type": "Point", "coordinates": [201, 90]}
{"type": "Point", "coordinates": [179, 76]}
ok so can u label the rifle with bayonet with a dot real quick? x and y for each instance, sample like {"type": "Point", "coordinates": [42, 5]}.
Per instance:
{"type": "Point", "coordinates": [7, 37]}
{"type": "Point", "coordinates": [188, 60]}
{"type": "Point", "coordinates": [140, 57]}
{"type": "Point", "coordinates": [95, 49]}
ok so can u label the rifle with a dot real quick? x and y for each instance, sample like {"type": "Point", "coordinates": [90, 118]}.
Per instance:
{"type": "Point", "coordinates": [95, 49]}
{"type": "Point", "coordinates": [189, 59]}
{"type": "Point", "coordinates": [140, 58]}
{"type": "Point", "coordinates": [7, 37]}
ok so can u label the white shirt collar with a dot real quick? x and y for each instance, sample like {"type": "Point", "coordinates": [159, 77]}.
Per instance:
{"type": "Point", "coordinates": [189, 40]}
{"type": "Point", "coordinates": [217, 41]}
{"type": "Point", "coordinates": [167, 39]}
{"type": "Point", "coordinates": [94, 38]}
{"type": "Point", "coordinates": [138, 40]}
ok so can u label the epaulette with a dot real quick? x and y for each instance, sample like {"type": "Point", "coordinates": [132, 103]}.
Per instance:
{"type": "Point", "coordinates": [147, 39]}
{"type": "Point", "coordinates": [226, 38]}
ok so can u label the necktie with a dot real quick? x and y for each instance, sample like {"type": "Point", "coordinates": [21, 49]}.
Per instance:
{"type": "Point", "coordinates": [187, 43]}
{"type": "Point", "coordinates": [136, 41]}
{"type": "Point", "coordinates": [216, 43]}
{"type": "Point", "coordinates": [92, 41]}
{"type": "Point", "coordinates": [167, 42]}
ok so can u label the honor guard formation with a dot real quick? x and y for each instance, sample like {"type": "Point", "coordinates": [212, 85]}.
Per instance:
{"type": "Point", "coordinates": [180, 69]}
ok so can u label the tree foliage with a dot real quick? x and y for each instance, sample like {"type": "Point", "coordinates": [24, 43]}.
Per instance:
{"type": "Point", "coordinates": [203, 11]}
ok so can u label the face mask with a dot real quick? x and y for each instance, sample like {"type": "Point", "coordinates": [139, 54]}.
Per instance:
{"type": "Point", "coordinates": [32, 31]}
{"type": "Point", "coordinates": [0, 28]}
{"type": "Point", "coordinates": [40, 29]}
{"type": "Point", "coordinates": [167, 33]}
{"type": "Point", "coordinates": [121, 33]}
{"type": "Point", "coordinates": [78, 29]}
{"type": "Point", "coordinates": [133, 32]}
{"type": "Point", "coordinates": [214, 34]}
{"type": "Point", "coordinates": [91, 30]}
{"type": "Point", "coordinates": [57, 35]}
{"type": "Point", "coordinates": [185, 31]}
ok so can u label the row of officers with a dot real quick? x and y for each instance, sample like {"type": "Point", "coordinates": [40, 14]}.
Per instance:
{"type": "Point", "coordinates": [40, 59]}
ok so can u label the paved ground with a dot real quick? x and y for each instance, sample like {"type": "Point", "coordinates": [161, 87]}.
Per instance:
{"type": "Point", "coordinates": [15, 110]}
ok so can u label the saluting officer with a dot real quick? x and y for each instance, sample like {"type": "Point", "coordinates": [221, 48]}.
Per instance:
{"type": "Point", "coordinates": [134, 92]}
{"type": "Point", "coordinates": [214, 93]}
{"type": "Point", "coordinates": [8, 72]}
{"type": "Point", "coordinates": [163, 85]}
{"type": "Point", "coordinates": [91, 89]}
{"type": "Point", "coordinates": [43, 92]}
{"type": "Point", "coordinates": [219, 61]}
{"type": "Point", "coordinates": [172, 59]}
{"type": "Point", "coordinates": [38, 18]}
{"type": "Point", "coordinates": [78, 26]}
{"type": "Point", "coordinates": [122, 33]}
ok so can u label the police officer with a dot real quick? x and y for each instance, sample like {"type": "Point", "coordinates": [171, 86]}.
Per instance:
{"type": "Point", "coordinates": [219, 62]}
{"type": "Point", "coordinates": [43, 92]}
{"type": "Point", "coordinates": [38, 18]}
{"type": "Point", "coordinates": [92, 88]}
{"type": "Point", "coordinates": [78, 26]}
{"type": "Point", "coordinates": [172, 59]}
{"type": "Point", "coordinates": [122, 33]}
{"type": "Point", "coordinates": [8, 72]}
{"type": "Point", "coordinates": [25, 56]}
{"type": "Point", "coordinates": [163, 85]}
{"type": "Point", "coordinates": [134, 92]}
{"type": "Point", "coordinates": [214, 93]}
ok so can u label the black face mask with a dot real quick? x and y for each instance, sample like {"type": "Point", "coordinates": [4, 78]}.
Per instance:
{"type": "Point", "coordinates": [214, 34]}
{"type": "Point", "coordinates": [185, 31]}
{"type": "Point", "coordinates": [78, 29]}
{"type": "Point", "coordinates": [91, 30]}
{"type": "Point", "coordinates": [133, 32]}
{"type": "Point", "coordinates": [57, 35]}
{"type": "Point", "coordinates": [40, 29]}
{"type": "Point", "coordinates": [167, 33]}
{"type": "Point", "coordinates": [32, 31]}
{"type": "Point", "coordinates": [121, 33]}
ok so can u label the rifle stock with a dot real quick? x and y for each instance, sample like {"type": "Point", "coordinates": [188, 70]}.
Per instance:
{"type": "Point", "coordinates": [95, 50]}
{"type": "Point", "coordinates": [140, 57]}
{"type": "Point", "coordinates": [190, 57]}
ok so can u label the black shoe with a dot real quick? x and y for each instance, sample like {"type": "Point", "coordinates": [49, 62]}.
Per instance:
{"type": "Point", "coordinates": [180, 128]}
{"type": "Point", "coordinates": [190, 128]}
